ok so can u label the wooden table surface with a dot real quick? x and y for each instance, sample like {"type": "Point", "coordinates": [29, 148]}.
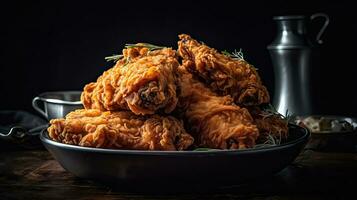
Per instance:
{"type": "Point", "coordinates": [34, 174]}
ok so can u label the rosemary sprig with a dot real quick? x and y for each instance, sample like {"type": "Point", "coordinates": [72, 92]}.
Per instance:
{"type": "Point", "coordinates": [270, 110]}
{"type": "Point", "coordinates": [204, 149]}
{"type": "Point", "coordinates": [151, 47]}
{"type": "Point", "coordinates": [117, 57]}
{"type": "Point", "coordinates": [113, 58]}
{"type": "Point", "coordinates": [236, 55]}
{"type": "Point", "coordinates": [271, 141]}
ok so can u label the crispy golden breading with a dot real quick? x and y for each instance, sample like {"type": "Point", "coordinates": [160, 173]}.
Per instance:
{"type": "Point", "coordinates": [215, 121]}
{"type": "Point", "coordinates": [120, 130]}
{"type": "Point", "coordinates": [269, 124]}
{"type": "Point", "coordinates": [218, 98]}
{"type": "Point", "coordinates": [222, 74]}
{"type": "Point", "coordinates": [143, 82]}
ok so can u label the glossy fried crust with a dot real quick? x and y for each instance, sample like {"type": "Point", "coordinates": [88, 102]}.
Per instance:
{"type": "Point", "coordinates": [222, 74]}
{"type": "Point", "coordinates": [120, 130]}
{"type": "Point", "coordinates": [143, 82]}
{"type": "Point", "coordinates": [215, 121]}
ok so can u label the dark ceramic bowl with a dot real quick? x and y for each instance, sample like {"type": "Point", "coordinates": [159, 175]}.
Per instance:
{"type": "Point", "coordinates": [135, 166]}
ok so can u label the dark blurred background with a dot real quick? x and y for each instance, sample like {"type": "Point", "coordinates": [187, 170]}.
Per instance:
{"type": "Point", "coordinates": [49, 46]}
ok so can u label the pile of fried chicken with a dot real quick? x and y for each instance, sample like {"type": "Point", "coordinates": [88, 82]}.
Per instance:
{"type": "Point", "coordinates": [162, 99]}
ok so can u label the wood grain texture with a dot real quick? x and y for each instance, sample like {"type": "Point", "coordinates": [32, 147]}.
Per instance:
{"type": "Point", "coordinates": [35, 174]}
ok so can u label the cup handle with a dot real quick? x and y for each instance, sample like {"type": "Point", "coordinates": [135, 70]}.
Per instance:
{"type": "Point", "coordinates": [36, 107]}
{"type": "Point", "coordinates": [323, 28]}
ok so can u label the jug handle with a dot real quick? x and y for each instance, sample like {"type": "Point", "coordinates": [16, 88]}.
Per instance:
{"type": "Point", "coordinates": [323, 28]}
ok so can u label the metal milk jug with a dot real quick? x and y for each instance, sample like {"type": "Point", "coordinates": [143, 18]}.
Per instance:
{"type": "Point", "coordinates": [291, 57]}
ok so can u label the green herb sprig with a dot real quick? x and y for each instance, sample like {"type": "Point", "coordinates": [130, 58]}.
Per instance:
{"type": "Point", "coordinates": [205, 149]}
{"type": "Point", "coordinates": [117, 57]}
{"type": "Point", "coordinates": [271, 141]}
{"type": "Point", "coordinates": [151, 47]}
{"type": "Point", "coordinates": [236, 55]}
{"type": "Point", "coordinates": [113, 58]}
{"type": "Point", "coordinates": [270, 111]}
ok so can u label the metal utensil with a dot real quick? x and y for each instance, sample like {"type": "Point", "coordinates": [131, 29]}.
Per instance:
{"type": "Point", "coordinates": [20, 132]}
{"type": "Point", "coordinates": [57, 104]}
{"type": "Point", "coordinates": [21, 137]}
{"type": "Point", "coordinates": [291, 56]}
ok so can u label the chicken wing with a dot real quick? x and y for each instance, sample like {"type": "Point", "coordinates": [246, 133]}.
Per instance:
{"type": "Point", "coordinates": [215, 121]}
{"type": "Point", "coordinates": [223, 74]}
{"type": "Point", "coordinates": [142, 81]}
{"type": "Point", "coordinates": [120, 130]}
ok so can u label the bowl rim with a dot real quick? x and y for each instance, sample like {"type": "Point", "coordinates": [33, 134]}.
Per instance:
{"type": "Point", "coordinates": [304, 138]}
{"type": "Point", "coordinates": [59, 101]}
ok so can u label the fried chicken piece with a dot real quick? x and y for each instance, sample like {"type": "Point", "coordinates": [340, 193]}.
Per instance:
{"type": "Point", "coordinates": [223, 74]}
{"type": "Point", "coordinates": [215, 121]}
{"type": "Point", "coordinates": [269, 124]}
{"type": "Point", "coordinates": [143, 81]}
{"type": "Point", "coordinates": [120, 130]}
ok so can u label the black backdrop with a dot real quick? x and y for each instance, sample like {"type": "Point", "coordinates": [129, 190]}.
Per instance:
{"type": "Point", "coordinates": [51, 46]}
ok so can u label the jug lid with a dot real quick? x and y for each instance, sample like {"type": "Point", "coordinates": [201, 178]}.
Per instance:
{"type": "Point", "coordinates": [291, 33]}
{"type": "Point", "coordinates": [289, 17]}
